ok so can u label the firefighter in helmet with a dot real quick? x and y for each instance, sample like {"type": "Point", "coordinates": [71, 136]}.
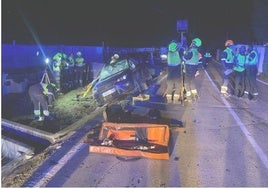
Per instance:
{"type": "Point", "coordinates": [64, 72]}
{"type": "Point", "coordinates": [71, 63]}
{"type": "Point", "coordinates": [191, 57]}
{"type": "Point", "coordinates": [56, 68]}
{"type": "Point", "coordinates": [114, 59]}
{"type": "Point", "coordinates": [173, 73]}
{"type": "Point", "coordinates": [252, 60]}
{"type": "Point", "coordinates": [42, 96]}
{"type": "Point", "coordinates": [227, 61]}
{"type": "Point", "coordinates": [80, 68]}
{"type": "Point", "coordinates": [239, 71]}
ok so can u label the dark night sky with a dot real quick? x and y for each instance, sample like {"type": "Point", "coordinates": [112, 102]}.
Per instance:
{"type": "Point", "coordinates": [133, 23]}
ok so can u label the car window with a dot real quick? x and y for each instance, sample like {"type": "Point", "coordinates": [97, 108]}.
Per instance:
{"type": "Point", "coordinates": [110, 70]}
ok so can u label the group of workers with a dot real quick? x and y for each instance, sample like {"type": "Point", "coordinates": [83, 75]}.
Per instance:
{"type": "Point", "coordinates": [240, 64]}
{"type": "Point", "coordinates": [183, 68]}
{"type": "Point", "coordinates": [69, 71]}
{"type": "Point", "coordinates": [183, 65]}
{"type": "Point", "coordinates": [65, 71]}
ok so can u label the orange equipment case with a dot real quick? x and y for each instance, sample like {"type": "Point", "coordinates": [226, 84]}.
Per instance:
{"type": "Point", "coordinates": [133, 139]}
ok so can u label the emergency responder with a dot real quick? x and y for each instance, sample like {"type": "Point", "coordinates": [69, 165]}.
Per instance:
{"type": "Point", "coordinates": [80, 68]}
{"type": "Point", "coordinates": [42, 96]}
{"type": "Point", "coordinates": [64, 67]}
{"type": "Point", "coordinates": [56, 69]}
{"type": "Point", "coordinates": [114, 59]}
{"type": "Point", "coordinates": [206, 59]}
{"type": "Point", "coordinates": [191, 58]}
{"type": "Point", "coordinates": [173, 73]}
{"type": "Point", "coordinates": [239, 70]}
{"type": "Point", "coordinates": [139, 75]}
{"type": "Point", "coordinates": [251, 73]}
{"type": "Point", "coordinates": [71, 72]}
{"type": "Point", "coordinates": [227, 61]}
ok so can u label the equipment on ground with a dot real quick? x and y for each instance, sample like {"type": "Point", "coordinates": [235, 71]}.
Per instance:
{"type": "Point", "coordinates": [83, 95]}
{"type": "Point", "coordinates": [132, 140]}
{"type": "Point", "coordinates": [45, 78]}
{"type": "Point", "coordinates": [183, 91]}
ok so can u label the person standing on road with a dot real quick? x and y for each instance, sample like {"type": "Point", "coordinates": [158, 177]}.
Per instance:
{"type": "Point", "coordinates": [191, 58]}
{"type": "Point", "coordinates": [251, 73]}
{"type": "Point", "coordinates": [239, 70]}
{"type": "Point", "coordinates": [227, 61]}
{"type": "Point", "coordinates": [173, 73]}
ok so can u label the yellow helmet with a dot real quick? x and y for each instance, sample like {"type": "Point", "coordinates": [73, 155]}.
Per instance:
{"type": "Point", "coordinates": [173, 46]}
{"type": "Point", "coordinates": [197, 42]}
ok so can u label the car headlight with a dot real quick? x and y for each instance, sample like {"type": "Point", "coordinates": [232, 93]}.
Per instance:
{"type": "Point", "coordinates": [121, 78]}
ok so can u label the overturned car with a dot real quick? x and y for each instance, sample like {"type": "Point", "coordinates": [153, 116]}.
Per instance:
{"type": "Point", "coordinates": [122, 77]}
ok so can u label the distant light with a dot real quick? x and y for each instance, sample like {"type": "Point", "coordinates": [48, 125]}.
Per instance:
{"type": "Point", "coordinates": [163, 57]}
{"type": "Point", "coordinates": [37, 53]}
{"type": "Point", "coordinates": [47, 60]}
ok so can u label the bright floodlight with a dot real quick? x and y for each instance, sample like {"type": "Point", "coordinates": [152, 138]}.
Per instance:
{"type": "Point", "coordinates": [47, 60]}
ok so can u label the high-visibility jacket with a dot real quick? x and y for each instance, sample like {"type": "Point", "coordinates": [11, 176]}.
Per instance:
{"type": "Point", "coordinates": [252, 58]}
{"type": "Point", "coordinates": [192, 57]}
{"type": "Point", "coordinates": [173, 58]}
{"type": "Point", "coordinates": [240, 63]}
{"type": "Point", "coordinates": [229, 57]}
{"type": "Point", "coordinates": [79, 61]}
{"type": "Point", "coordinates": [56, 66]}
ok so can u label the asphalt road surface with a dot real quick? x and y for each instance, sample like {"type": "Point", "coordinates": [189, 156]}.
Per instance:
{"type": "Point", "coordinates": [223, 142]}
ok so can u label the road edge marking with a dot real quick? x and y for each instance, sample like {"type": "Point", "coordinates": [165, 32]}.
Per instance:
{"type": "Point", "coordinates": [251, 140]}
{"type": "Point", "coordinates": [55, 169]}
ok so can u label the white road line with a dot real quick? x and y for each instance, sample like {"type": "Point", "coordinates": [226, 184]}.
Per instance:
{"type": "Point", "coordinates": [159, 81]}
{"type": "Point", "coordinates": [52, 172]}
{"type": "Point", "coordinates": [250, 138]}
{"type": "Point", "coordinates": [265, 83]}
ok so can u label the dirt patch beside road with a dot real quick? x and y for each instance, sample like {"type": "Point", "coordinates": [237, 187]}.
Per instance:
{"type": "Point", "coordinates": [18, 107]}
{"type": "Point", "coordinates": [65, 112]}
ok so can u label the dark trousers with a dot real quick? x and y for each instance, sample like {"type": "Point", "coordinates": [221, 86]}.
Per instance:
{"type": "Point", "coordinates": [250, 80]}
{"type": "Point", "coordinates": [239, 83]}
{"type": "Point", "coordinates": [79, 75]}
{"type": "Point", "coordinates": [38, 99]}
{"type": "Point", "coordinates": [174, 80]}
